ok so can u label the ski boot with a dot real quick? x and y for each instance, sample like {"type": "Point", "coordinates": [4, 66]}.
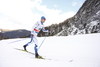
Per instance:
{"type": "Point", "coordinates": [25, 47]}
{"type": "Point", "coordinates": [38, 56]}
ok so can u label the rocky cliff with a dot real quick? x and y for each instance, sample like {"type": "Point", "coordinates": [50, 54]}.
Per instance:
{"type": "Point", "coordinates": [86, 21]}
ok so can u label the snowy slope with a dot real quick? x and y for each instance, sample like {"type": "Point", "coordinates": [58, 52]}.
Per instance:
{"type": "Point", "coordinates": [69, 51]}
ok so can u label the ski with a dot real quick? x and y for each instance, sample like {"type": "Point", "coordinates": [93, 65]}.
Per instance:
{"type": "Point", "coordinates": [24, 51]}
{"type": "Point", "coordinates": [34, 54]}
{"type": "Point", "coordinates": [43, 58]}
{"type": "Point", "coordinates": [28, 52]}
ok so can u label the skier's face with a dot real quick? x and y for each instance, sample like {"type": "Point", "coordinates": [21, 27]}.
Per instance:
{"type": "Point", "coordinates": [43, 20]}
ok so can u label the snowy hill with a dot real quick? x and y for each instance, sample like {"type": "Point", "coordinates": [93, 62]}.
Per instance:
{"type": "Point", "coordinates": [70, 51]}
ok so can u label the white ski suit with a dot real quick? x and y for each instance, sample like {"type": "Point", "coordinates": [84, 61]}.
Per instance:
{"type": "Point", "coordinates": [35, 30]}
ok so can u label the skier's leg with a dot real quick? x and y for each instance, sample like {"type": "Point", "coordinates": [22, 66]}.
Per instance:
{"type": "Point", "coordinates": [35, 46]}
{"type": "Point", "coordinates": [28, 43]}
{"type": "Point", "coordinates": [36, 51]}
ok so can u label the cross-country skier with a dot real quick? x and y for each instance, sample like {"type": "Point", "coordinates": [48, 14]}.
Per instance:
{"type": "Point", "coordinates": [35, 30]}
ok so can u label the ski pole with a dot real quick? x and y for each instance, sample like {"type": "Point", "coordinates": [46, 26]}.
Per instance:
{"type": "Point", "coordinates": [43, 41]}
{"type": "Point", "coordinates": [17, 40]}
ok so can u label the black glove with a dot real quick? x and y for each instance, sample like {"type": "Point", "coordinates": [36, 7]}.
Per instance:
{"type": "Point", "coordinates": [49, 31]}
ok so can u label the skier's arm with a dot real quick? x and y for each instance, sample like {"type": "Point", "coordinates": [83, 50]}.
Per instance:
{"type": "Point", "coordinates": [43, 29]}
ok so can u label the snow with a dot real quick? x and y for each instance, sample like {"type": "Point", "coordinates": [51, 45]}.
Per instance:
{"type": "Point", "coordinates": [94, 23]}
{"type": "Point", "coordinates": [98, 13]}
{"type": "Point", "coordinates": [59, 33]}
{"type": "Point", "coordinates": [64, 51]}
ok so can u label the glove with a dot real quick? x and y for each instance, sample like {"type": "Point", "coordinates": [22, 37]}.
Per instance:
{"type": "Point", "coordinates": [49, 31]}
